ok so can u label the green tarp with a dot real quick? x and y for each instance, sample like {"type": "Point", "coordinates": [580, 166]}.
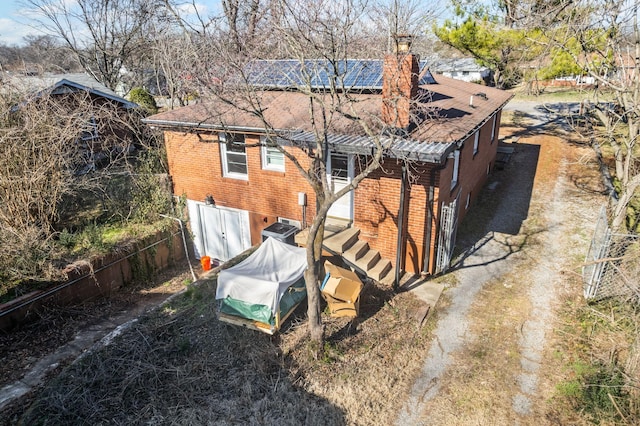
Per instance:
{"type": "Point", "coordinates": [262, 313]}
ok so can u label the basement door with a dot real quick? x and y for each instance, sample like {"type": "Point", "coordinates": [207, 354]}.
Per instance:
{"type": "Point", "coordinates": [220, 233]}
{"type": "Point", "coordinates": [340, 171]}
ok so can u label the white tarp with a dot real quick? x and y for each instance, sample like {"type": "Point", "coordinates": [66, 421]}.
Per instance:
{"type": "Point", "coordinates": [263, 277]}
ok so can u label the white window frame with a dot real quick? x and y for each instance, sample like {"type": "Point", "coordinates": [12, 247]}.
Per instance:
{"type": "Point", "coordinates": [267, 151]}
{"type": "Point", "coordinates": [225, 164]}
{"type": "Point", "coordinates": [493, 128]}
{"type": "Point", "coordinates": [456, 168]}
{"type": "Point", "coordinates": [476, 142]}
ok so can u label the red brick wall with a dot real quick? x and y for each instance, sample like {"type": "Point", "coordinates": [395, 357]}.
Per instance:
{"type": "Point", "coordinates": [377, 204]}
{"type": "Point", "coordinates": [473, 168]}
{"type": "Point", "coordinates": [196, 169]}
{"type": "Point", "coordinates": [399, 87]}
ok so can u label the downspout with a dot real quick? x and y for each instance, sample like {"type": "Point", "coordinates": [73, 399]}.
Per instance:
{"type": "Point", "coordinates": [401, 213]}
{"type": "Point", "coordinates": [184, 242]}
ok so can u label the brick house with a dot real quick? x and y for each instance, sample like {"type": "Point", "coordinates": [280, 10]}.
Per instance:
{"type": "Point", "coordinates": [404, 214]}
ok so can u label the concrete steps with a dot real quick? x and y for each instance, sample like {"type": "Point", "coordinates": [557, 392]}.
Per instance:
{"type": "Point", "coordinates": [356, 251]}
{"type": "Point", "coordinates": [341, 241]}
{"type": "Point", "coordinates": [359, 255]}
{"type": "Point", "coordinates": [380, 270]}
{"type": "Point", "coordinates": [369, 260]}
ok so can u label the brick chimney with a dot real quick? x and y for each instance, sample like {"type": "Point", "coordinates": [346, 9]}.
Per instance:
{"type": "Point", "coordinates": [399, 84]}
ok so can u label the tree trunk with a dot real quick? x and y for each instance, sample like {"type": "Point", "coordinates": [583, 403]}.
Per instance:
{"type": "Point", "coordinates": [620, 209]}
{"type": "Point", "coordinates": [314, 266]}
{"type": "Point", "coordinates": [316, 328]}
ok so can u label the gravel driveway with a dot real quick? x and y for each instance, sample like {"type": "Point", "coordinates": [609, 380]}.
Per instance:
{"type": "Point", "coordinates": [491, 334]}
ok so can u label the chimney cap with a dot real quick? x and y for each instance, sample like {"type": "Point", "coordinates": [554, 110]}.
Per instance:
{"type": "Point", "coordinates": [403, 42]}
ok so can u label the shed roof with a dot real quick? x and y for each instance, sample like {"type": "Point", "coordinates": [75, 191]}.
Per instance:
{"type": "Point", "coordinates": [57, 83]}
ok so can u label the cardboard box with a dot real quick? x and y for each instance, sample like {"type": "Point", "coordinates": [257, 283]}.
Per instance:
{"type": "Point", "coordinates": [341, 289]}
{"type": "Point", "coordinates": [338, 308]}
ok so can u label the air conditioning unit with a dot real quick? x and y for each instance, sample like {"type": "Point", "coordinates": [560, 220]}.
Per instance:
{"type": "Point", "coordinates": [281, 231]}
{"type": "Point", "coordinates": [286, 221]}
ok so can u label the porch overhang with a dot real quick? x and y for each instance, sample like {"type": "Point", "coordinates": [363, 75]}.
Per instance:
{"type": "Point", "coordinates": [394, 146]}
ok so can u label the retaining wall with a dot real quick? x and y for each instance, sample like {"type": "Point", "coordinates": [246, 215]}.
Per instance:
{"type": "Point", "coordinates": [99, 277]}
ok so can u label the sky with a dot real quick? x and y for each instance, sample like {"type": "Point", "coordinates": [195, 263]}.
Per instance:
{"type": "Point", "coordinates": [16, 21]}
{"type": "Point", "coordinates": [12, 22]}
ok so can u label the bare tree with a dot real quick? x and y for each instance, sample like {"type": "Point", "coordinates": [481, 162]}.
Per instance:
{"type": "Point", "coordinates": [40, 53]}
{"type": "Point", "coordinates": [318, 36]}
{"type": "Point", "coordinates": [388, 18]}
{"type": "Point", "coordinates": [608, 50]}
{"type": "Point", "coordinates": [105, 36]}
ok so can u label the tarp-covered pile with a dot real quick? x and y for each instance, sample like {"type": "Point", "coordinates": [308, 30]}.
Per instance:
{"type": "Point", "coordinates": [263, 288]}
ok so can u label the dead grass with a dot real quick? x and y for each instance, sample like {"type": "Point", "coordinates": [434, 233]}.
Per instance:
{"type": "Point", "coordinates": [595, 353]}
{"type": "Point", "coordinates": [479, 388]}
{"type": "Point", "coordinates": [181, 365]}
{"type": "Point", "coordinates": [592, 345]}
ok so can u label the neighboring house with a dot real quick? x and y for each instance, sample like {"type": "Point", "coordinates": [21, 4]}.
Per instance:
{"type": "Point", "coordinates": [465, 69]}
{"type": "Point", "coordinates": [235, 187]}
{"type": "Point", "coordinates": [107, 121]}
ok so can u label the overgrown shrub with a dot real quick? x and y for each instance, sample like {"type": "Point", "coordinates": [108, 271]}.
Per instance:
{"type": "Point", "coordinates": [26, 256]}
{"type": "Point", "coordinates": [151, 193]}
{"type": "Point", "coordinates": [142, 97]}
{"type": "Point", "coordinates": [62, 180]}
{"type": "Point", "coordinates": [604, 382]}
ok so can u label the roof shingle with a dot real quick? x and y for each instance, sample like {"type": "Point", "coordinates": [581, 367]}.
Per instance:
{"type": "Point", "coordinates": [447, 117]}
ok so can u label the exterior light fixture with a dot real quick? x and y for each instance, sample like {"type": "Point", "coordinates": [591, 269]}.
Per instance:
{"type": "Point", "coordinates": [208, 200]}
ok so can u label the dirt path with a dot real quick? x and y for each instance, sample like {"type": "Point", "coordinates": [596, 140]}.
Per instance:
{"type": "Point", "coordinates": [37, 350]}
{"type": "Point", "coordinates": [484, 366]}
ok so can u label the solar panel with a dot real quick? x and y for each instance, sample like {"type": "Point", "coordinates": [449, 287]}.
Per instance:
{"type": "Point", "coordinates": [427, 77]}
{"type": "Point", "coordinates": [350, 74]}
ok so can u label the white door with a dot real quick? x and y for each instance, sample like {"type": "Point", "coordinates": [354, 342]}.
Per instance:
{"type": "Point", "coordinates": [219, 232]}
{"type": "Point", "coordinates": [340, 169]}
{"type": "Point", "coordinates": [235, 232]}
{"type": "Point", "coordinates": [213, 232]}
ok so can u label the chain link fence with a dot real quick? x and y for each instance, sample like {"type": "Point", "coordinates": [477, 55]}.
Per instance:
{"type": "Point", "coordinates": [612, 265]}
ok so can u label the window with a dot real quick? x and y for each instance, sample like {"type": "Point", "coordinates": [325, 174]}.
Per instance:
{"type": "Point", "coordinates": [89, 129]}
{"type": "Point", "coordinates": [493, 128]}
{"type": "Point", "coordinates": [234, 155]}
{"type": "Point", "coordinates": [272, 157]}
{"type": "Point", "coordinates": [476, 142]}
{"type": "Point", "coordinates": [456, 168]}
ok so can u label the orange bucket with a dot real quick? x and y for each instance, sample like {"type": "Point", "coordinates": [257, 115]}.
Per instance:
{"type": "Point", "coordinates": [205, 261]}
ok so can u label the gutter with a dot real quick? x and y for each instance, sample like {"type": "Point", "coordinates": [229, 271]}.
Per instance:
{"type": "Point", "coordinates": [198, 125]}
{"type": "Point", "coordinates": [341, 143]}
